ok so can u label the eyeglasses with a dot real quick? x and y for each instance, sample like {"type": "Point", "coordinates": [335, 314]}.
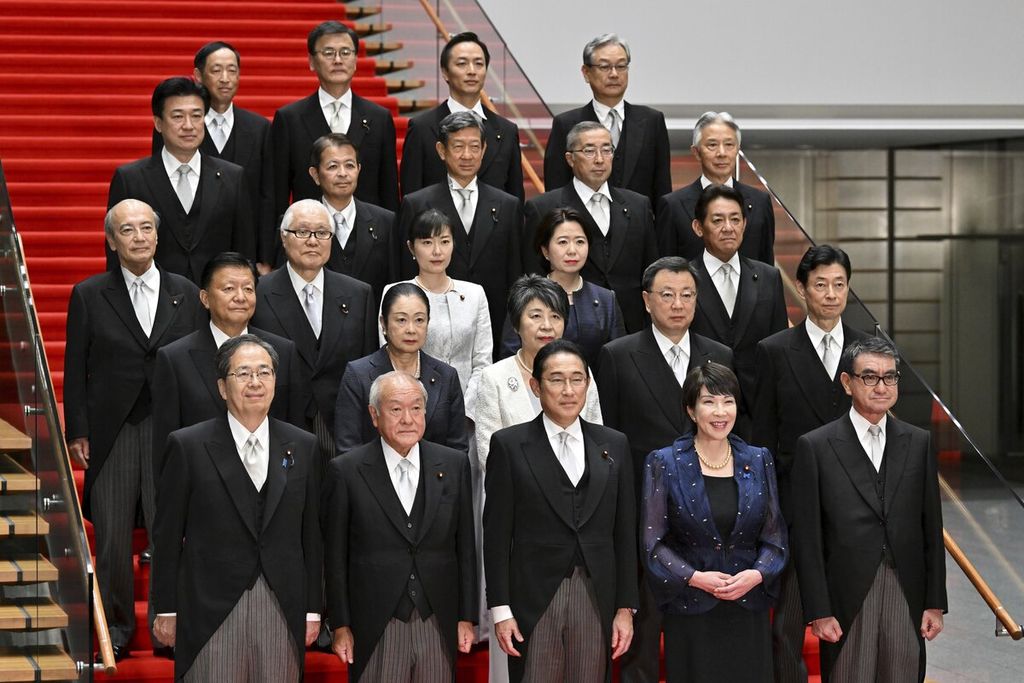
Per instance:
{"type": "Point", "coordinates": [576, 381]}
{"type": "Point", "coordinates": [246, 375]}
{"type": "Point", "coordinates": [592, 152]}
{"type": "Point", "coordinates": [870, 379]}
{"type": "Point", "coordinates": [330, 53]}
{"type": "Point", "coordinates": [668, 298]}
{"type": "Point", "coordinates": [608, 68]}
{"type": "Point", "coordinates": [304, 234]}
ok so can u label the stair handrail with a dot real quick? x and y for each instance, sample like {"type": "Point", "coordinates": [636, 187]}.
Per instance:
{"type": "Point", "coordinates": [528, 169]}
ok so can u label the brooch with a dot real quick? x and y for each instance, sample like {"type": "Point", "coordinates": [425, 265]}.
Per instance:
{"type": "Point", "coordinates": [513, 384]}
{"type": "Point", "coordinates": [746, 472]}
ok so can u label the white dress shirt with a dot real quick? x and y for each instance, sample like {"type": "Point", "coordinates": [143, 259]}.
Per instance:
{"type": "Point", "coordinates": [714, 265]}
{"type": "Point", "coordinates": [816, 334]}
{"type": "Point", "coordinates": [220, 337]}
{"type": "Point", "coordinates": [665, 346]}
{"type": "Point", "coordinates": [474, 197]}
{"type": "Point", "coordinates": [327, 106]}
{"type": "Point", "coordinates": [349, 212]}
{"type": "Point", "coordinates": [585, 194]}
{"type": "Point", "coordinates": [229, 123]}
{"type": "Point", "coordinates": [171, 165]}
{"type": "Point", "coordinates": [299, 284]}
{"type": "Point", "coordinates": [151, 278]}
{"type": "Point", "coordinates": [860, 428]}
{"type": "Point", "coordinates": [391, 460]}
{"type": "Point", "coordinates": [603, 112]}
{"type": "Point", "coordinates": [705, 182]}
{"type": "Point", "coordinates": [477, 108]}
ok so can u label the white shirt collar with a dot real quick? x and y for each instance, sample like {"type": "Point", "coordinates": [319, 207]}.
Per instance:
{"type": "Point", "coordinates": [714, 264]}
{"type": "Point", "coordinates": [240, 434]}
{"type": "Point", "coordinates": [816, 334]}
{"type": "Point", "coordinates": [477, 108]}
{"type": "Point", "coordinates": [349, 212]}
{"type": "Point", "coordinates": [664, 343]}
{"type": "Point", "coordinates": [171, 165]}
{"type": "Point", "coordinates": [575, 429]}
{"type": "Point", "coordinates": [585, 193]}
{"type": "Point", "coordinates": [151, 277]}
{"type": "Point", "coordinates": [602, 110]}
{"type": "Point", "coordinates": [326, 100]}
{"type": "Point", "coordinates": [298, 284]}
{"type": "Point", "coordinates": [453, 183]}
{"type": "Point", "coordinates": [392, 458]}
{"type": "Point", "coordinates": [219, 337]}
{"type": "Point", "coordinates": [860, 424]}
{"type": "Point", "coordinates": [705, 182]}
{"type": "Point", "coordinates": [229, 116]}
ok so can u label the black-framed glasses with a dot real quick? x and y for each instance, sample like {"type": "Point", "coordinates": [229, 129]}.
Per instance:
{"type": "Point", "coordinates": [870, 379]}
{"type": "Point", "coordinates": [608, 68]}
{"type": "Point", "coordinates": [330, 53]}
{"type": "Point", "coordinates": [591, 152]}
{"type": "Point", "coordinates": [304, 234]}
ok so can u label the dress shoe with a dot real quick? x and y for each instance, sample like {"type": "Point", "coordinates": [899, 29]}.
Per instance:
{"type": "Point", "coordinates": [165, 651]}
{"type": "Point", "coordinates": [146, 556]}
{"type": "Point", "coordinates": [120, 652]}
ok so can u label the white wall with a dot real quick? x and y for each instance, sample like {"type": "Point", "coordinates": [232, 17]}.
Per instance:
{"type": "Point", "coordinates": [784, 53]}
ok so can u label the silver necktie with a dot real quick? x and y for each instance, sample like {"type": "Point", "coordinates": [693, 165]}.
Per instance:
{"type": "Point", "coordinates": [309, 302]}
{"type": "Point", "coordinates": [828, 357]}
{"type": "Point", "coordinates": [568, 462]}
{"type": "Point", "coordinates": [406, 487]}
{"type": "Point", "coordinates": [727, 288]}
{"type": "Point", "coordinates": [598, 212]}
{"type": "Point", "coordinates": [217, 132]}
{"type": "Point", "coordinates": [336, 123]}
{"type": "Point", "coordinates": [183, 189]}
{"type": "Point", "coordinates": [678, 364]}
{"type": "Point", "coordinates": [141, 304]}
{"type": "Point", "coordinates": [341, 229]}
{"type": "Point", "coordinates": [466, 207]}
{"type": "Point", "coordinates": [254, 465]}
{"type": "Point", "coordinates": [875, 441]}
{"type": "Point", "coordinates": [615, 129]}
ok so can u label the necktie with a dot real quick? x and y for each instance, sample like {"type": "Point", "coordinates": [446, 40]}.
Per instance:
{"type": "Point", "coordinates": [183, 189]}
{"type": "Point", "coordinates": [309, 302]}
{"type": "Point", "coordinates": [875, 441]}
{"type": "Point", "coordinates": [678, 364]}
{"type": "Point", "coordinates": [336, 123]}
{"type": "Point", "coordinates": [614, 128]}
{"type": "Point", "coordinates": [217, 132]}
{"type": "Point", "coordinates": [466, 207]}
{"type": "Point", "coordinates": [341, 229]}
{"type": "Point", "coordinates": [406, 487]}
{"type": "Point", "coordinates": [254, 465]}
{"type": "Point", "coordinates": [568, 462]}
{"type": "Point", "coordinates": [597, 210]}
{"type": "Point", "coordinates": [828, 356]}
{"type": "Point", "coordinates": [141, 304]}
{"type": "Point", "coordinates": [727, 289]}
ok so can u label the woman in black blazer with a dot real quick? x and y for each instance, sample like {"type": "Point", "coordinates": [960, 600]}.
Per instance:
{"type": "Point", "coordinates": [405, 312]}
{"type": "Point", "coordinates": [714, 542]}
{"type": "Point", "coordinates": [594, 316]}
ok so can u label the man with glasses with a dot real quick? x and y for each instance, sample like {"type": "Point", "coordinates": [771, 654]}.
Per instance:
{"type": "Point", "coordinates": [639, 134]}
{"type": "Point", "coordinates": [333, 108]}
{"type": "Point", "coordinates": [798, 389]}
{"type": "Point", "coordinates": [239, 558]}
{"type": "Point", "coordinates": [867, 530]}
{"type": "Point", "coordinates": [332, 318]}
{"type": "Point", "coordinates": [560, 550]}
{"type": "Point", "coordinates": [640, 382]}
{"type": "Point", "coordinates": [618, 222]}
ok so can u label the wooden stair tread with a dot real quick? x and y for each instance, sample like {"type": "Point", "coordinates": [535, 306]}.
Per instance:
{"type": "Point", "coordinates": [27, 569]}
{"type": "Point", "coordinates": [402, 84]}
{"type": "Point", "coordinates": [32, 664]}
{"type": "Point", "coordinates": [12, 439]}
{"type": "Point", "coordinates": [23, 524]}
{"type": "Point", "coordinates": [14, 477]}
{"type": "Point", "coordinates": [31, 613]}
{"type": "Point", "coordinates": [410, 106]}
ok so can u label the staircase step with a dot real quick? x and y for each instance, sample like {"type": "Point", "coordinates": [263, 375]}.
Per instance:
{"type": "Point", "coordinates": [41, 663]}
{"type": "Point", "coordinates": [118, 9]}
{"type": "Point", "coordinates": [23, 524]}
{"type": "Point", "coordinates": [143, 28]}
{"type": "Point", "coordinates": [181, 62]}
{"type": "Point", "coordinates": [19, 614]}
{"type": "Point", "coordinates": [14, 478]}
{"type": "Point", "coordinates": [26, 569]}
{"type": "Point", "coordinates": [12, 438]}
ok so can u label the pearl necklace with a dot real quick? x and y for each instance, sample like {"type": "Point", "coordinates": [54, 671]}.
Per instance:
{"type": "Point", "coordinates": [725, 460]}
{"type": "Point", "coordinates": [449, 287]}
{"type": "Point", "coordinates": [519, 360]}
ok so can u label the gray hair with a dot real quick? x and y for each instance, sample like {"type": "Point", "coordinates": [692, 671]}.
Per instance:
{"type": "Point", "coordinates": [878, 346]}
{"type": "Point", "coordinates": [599, 42]}
{"type": "Point", "coordinates": [377, 386]}
{"type": "Point", "coordinates": [109, 227]}
{"type": "Point", "coordinates": [572, 139]}
{"type": "Point", "coordinates": [709, 117]}
{"type": "Point", "coordinates": [530, 287]}
{"type": "Point", "coordinates": [460, 120]}
{"type": "Point", "coordinates": [227, 351]}
{"type": "Point", "coordinates": [310, 204]}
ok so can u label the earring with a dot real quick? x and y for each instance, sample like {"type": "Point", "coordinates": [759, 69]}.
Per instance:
{"type": "Point", "coordinates": [414, 257]}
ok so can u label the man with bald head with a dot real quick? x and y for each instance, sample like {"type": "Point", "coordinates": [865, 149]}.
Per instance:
{"type": "Point", "coordinates": [400, 553]}
{"type": "Point", "coordinates": [116, 322]}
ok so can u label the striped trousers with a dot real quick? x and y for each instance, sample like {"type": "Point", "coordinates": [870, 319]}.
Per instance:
{"type": "Point", "coordinates": [253, 645]}
{"type": "Point", "coordinates": [881, 644]}
{"type": "Point", "coordinates": [409, 652]}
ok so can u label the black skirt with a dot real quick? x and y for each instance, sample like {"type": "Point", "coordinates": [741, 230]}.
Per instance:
{"type": "Point", "coordinates": [728, 643]}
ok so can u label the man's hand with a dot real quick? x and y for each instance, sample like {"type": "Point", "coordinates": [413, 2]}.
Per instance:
{"type": "Point", "coordinates": [709, 582]}
{"type": "Point", "coordinates": [79, 450]}
{"type": "Point", "coordinates": [342, 644]}
{"type": "Point", "coordinates": [164, 628]}
{"type": "Point", "coordinates": [622, 631]}
{"type": "Point", "coordinates": [827, 629]}
{"type": "Point", "coordinates": [739, 585]}
{"type": "Point", "coordinates": [506, 631]}
{"type": "Point", "coordinates": [931, 623]}
{"type": "Point", "coordinates": [312, 631]}
{"type": "Point", "coordinates": [466, 636]}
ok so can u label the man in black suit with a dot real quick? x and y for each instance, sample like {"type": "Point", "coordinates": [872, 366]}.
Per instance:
{"type": "Point", "coordinates": [560, 532]}
{"type": "Point", "coordinates": [716, 145]}
{"type": "Point", "coordinates": [185, 371]}
{"type": "Point", "coordinates": [236, 135]}
{"type": "Point", "coordinates": [334, 108]}
{"type": "Point", "coordinates": [618, 222]}
{"type": "Point", "coordinates": [867, 530]}
{"type": "Point", "coordinates": [798, 389]}
{"type": "Point", "coordinates": [464, 63]}
{"type": "Point", "coordinates": [362, 247]}
{"type": "Point", "coordinates": [239, 558]}
{"type": "Point", "coordinates": [741, 300]}
{"type": "Point", "coordinates": [331, 317]}
{"type": "Point", "coordinates": [203, 202]}
{"type": "Point", "coordinates": [116, 321]}
{"type": "Point", "coordinates": [400, 561]}
{"type": "Point", "coordinates": [486, 222]}
{"type": "Point", "coordinates": [640, 381]}
{"type": "Point", "coordinates": [639, 134]}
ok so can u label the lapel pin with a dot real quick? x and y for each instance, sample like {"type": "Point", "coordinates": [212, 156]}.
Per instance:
{"type": "Point", "coordinates": [462, 297]}
{"type": "Point", "coordinates": [373, 233]}
{"type": "Point", "coordinates": [755, 277]}
{"type": "Point", "coordinates": [513, 384]}
{"type": "Point", "coordinates": [288, 459]}
{"type": "Point", "coordinates": [607, 457]}
{"type": "Point", "coordinates": [750, 207]}
{"type": "Point", "coordinates": [498, 136]}
{"type": "Point", "coordinates": [746, 472]}
{"type": "Point", "coordinates": [433, 379]}
{"type": "Point", "coordinates": [366, 124]}
{"type": "Point", "coordinates": [596, 302]}
{"type": "Point", "coordinates": [440, 475]}
{"type": "Point", "coordinates": [494, 214]}
{"type": "Point", "coordinates": [174, 302]}
{"type": "Point", "coordinates": [344, 309]}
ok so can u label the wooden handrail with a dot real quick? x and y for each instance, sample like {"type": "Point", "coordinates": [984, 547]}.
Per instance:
{"type": "Point", "coordinates": [102, 632]}
{"type": "Point", "coordinates": [1012, 627]}
{"type": "Point", "coordinates": [528, 169]}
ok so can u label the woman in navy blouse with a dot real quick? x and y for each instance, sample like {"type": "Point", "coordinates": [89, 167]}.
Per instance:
{"type": "Point", "coordinates": [714, 541]}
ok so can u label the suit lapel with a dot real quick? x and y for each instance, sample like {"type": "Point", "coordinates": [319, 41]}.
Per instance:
{"type": "Point", "coordinates": [167, 201]}
{"type": "Point", "coordinates": [279, 453]}
{"type": "Point", "coordinates": [571, 198]}
{"type": "Point", "coordinates": [367, 232]}
{"type": "Point", "coordinates": [442, 200]}
{"type": "Point", "coordinates": [543, 463]}
{"type": "Point", "coordinates": [599, 462]}
{"type": "Point", "coordinates": [856, 463]}
{"type": "Point", "coordinates": [210, 183]}
{"type": "Point", "coordinates": [895, 457]}
{"type": "Point", "coordinates": [660, 381]}
{"type": "Point", "coordinates": [634, 141]}
{"type": "Point", "coordinates": [314, 121]}
{"type": "Point", "coordinates": [168, 303]}
{"type": "Point", "coordinates": [619, 222]}
{"type": "Point", "coordinates": [228, 464]}
{"type": "Point", "coordinates": [116, 294]}
{"type": "Point", "coordinates": [241, 142]}
{"type": "Point", "coordinates": [288, 311]}
{"type": "Point", "coordinates": [492, 137]}
{"type": "Point", "coordinates": [709, 301]}
{"type": "Point", "coordinates": [359, 125]}
{"type": "Point", "coordinates": [203, 360]}
{"type": "Point", "coordinates": [430, 378]}
{"type": "Point", "coordinates": [690, 483]}
{"type": "Point", "coordinates": [484, 220]}
{"type": "Point", "coordinates": [747, 487]}
{"type": "Point", "coordinates": [375, 473]}
{"type": "Point", "coordinates": [335, 317]}
{"type": "Point", "coordinates": [810, 375]}
{"type": "Point", "coordinates": [746, 299]}
{"type": "Point", "coordinates": [433, 483]}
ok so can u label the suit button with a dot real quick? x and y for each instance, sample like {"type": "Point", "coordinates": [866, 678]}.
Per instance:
{"type": "Point", "coordinates": [412, 593]}
{"type": "Point", "coordinates": [718, 546]}
{"type": "Point", "coordinates": [409, 525]}
{"type": "Point", "coordinates": [412, 577]}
